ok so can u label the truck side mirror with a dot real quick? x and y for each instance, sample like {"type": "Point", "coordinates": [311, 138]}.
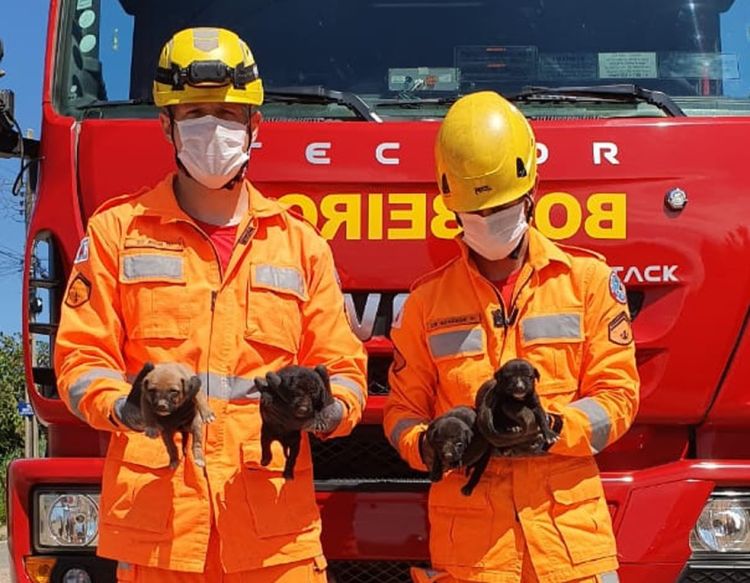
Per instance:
{"type": "Point", "coordinates": [8, 134]}
{"type": "Point", "coordinates": [10, 140]}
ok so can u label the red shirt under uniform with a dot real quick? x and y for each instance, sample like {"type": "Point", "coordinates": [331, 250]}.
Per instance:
{"type": "Point", "coordinates": [505, 287]}
{"type": "Point", "coordinates": [223, 239]}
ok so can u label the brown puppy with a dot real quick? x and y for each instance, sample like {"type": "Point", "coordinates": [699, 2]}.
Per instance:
{"type": "Point", "coordinates": [171, 401]}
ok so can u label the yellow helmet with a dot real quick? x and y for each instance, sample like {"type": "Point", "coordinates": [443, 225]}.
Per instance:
{"type": "Point", "coordinates": [207, 65]}
{"type": "Point", "coordinates": [485, 153]}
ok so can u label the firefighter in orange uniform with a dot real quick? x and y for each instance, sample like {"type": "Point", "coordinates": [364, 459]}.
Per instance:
{"type": "Point", "coordinates": [512, 293]}
{"type": "Point", "coordinates": [205, 271]}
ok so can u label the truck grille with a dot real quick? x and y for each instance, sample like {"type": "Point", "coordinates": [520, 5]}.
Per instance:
{"type": "Point", "coordinates": [364, 456]}
{"type": "Point", "coordinates": [370, 571]}
{"type": "Point", "coordinates": [716, 576]}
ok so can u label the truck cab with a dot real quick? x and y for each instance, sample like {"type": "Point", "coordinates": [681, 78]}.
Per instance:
{"type": "Point", "coordinates": [641, 115]}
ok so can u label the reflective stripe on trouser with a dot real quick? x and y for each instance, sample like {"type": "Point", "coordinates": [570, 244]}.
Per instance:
{"type": "Point", "coordinates": [528, 575]}
{"type": "Point", "coordinates": [309, 570]}
{"type": "Point", "coordinates": [419, 575]}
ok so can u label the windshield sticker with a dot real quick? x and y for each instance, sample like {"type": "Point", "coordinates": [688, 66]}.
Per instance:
{"type": "Point", "coordinates": [565, 66]}
{"type": "Point", "coordinates": [713, 66]}
{"type": "Point", "coordinates": [489, 64]}
{"type": "Point", "coordinates": [423, 79]}
{"type": "Point", "coordinates": [627, 66]}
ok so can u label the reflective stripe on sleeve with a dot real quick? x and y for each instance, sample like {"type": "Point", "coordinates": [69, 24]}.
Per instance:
{"type": "Point", "coordinates": [82, 383]}
{"type": "Point", "coordinates": [351, 386]}
{"type": "Point", "coordinates": [599, 420]}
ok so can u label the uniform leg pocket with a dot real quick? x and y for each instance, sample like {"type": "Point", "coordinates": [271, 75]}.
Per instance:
{"type": "Point", "coordinates": [581, 516]}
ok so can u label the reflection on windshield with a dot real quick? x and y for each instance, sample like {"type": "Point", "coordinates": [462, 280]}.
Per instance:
{"type": "Point", "coordinates": [419, 49]}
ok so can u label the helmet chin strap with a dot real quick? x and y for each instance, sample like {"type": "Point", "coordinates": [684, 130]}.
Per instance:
{"type": "Point", "coordinates": [237, 177]}
{"type": "Point", "coordinates": [517, 251]}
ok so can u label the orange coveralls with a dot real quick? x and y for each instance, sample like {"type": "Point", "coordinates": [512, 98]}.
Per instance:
{"type": "Point", "coordinates": [147, 285]}
{"type": "Point", "coordinates": [572, 323]}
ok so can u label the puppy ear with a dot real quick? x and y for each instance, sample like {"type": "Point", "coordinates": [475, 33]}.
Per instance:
{"type": "Point", "coordinates": [261, 384]}
{"type": "Point", "coordinates": [191, 387]}
{"type": "Point", "coordinates": [537, 376]}
{"type": "Point", "coordinates": [274, 380]}
{"type": "Point", "coordinates": [143, 373]}
{"type": "Point", "coordinates": [323, 374]}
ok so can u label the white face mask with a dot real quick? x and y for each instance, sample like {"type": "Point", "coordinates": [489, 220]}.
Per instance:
{"type": "Point", "coordinates": [213, 150]}
{"type": "Point", "coordinates": [495, 236]}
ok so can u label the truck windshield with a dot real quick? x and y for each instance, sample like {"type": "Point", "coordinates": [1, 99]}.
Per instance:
{"type": "Point", "coordinates": [412, 58]}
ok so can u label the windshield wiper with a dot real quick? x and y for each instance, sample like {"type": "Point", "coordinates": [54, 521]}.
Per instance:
{"type": "Point", "coordinates": [622, 93]}
{"type": "Point", "coordinates": [93, 109]}
{"type": "Point", "coordinates": [417, 102]}
{"type": "Point", "coordinates": [316, 94]}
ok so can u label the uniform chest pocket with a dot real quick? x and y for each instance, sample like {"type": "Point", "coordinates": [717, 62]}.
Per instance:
{"type": "Point", "coordinates": [553, 343]}
{"type": "Point", "coordinates": [154, 295]}
{"type": "Point", "coordinates": [274, 302]}
{"type": "Point", "coordinates": [460, 356]}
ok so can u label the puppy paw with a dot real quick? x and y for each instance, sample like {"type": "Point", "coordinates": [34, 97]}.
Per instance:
{"type": "Point", "coordinates": [152, 432]}
{"type": "Point", "coordinates": [551, 439]}
{"type": "Point", "coordinates": [210, 417]}
{"type": "Point", "coordinates": [173, 464]}
{"type": "Point", "coordinates": [200, 462]}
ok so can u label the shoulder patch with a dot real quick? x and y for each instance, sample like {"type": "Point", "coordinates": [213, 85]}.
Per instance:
{"type": "Point", "coordinates": [83, 251]}
{"type": "Point", "coordinates": [620, 330]}
{"type": "Point", "coordinates": [79, 292]}
{"type": "Point", "coordinates": [617, 288]}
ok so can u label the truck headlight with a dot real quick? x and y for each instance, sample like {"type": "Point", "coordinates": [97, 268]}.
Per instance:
{"type": "Point", "coordinates": [67, 520]}
{"type": "Point", "coordinates": [724, 525]}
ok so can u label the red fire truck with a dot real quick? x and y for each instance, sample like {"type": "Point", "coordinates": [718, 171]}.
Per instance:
{"type": "Point", "coordinates": [640, 108]}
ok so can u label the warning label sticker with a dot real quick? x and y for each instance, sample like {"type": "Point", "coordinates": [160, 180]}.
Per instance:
{"type": "Point", "coordinates": [627, 66]}
{"type": "Point", "coordinates": [564, 66]}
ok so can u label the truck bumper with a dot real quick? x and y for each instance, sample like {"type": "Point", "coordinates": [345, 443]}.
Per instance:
{"type": "Point", "coordinates": [374, 532]}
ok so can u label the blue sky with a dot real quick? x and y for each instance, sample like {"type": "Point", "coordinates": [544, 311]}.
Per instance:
{"type": "Point", "coordinates": [23, 27]}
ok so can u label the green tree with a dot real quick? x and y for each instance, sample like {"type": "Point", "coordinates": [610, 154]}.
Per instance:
{"type": "Point", "coordinates": [12, 381]}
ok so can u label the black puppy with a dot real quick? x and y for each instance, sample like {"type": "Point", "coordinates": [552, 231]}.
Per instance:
{"type": "Point", "coordinates": [291, 400]}
{"type": "Point", "coordinates": [508, 409]}
{"type": "Point", "coordinates": [510, 418]}
{"type": "Point", "coordinates": [456, 443]}
{"type": "Point", "coordinates": [450, 436]}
